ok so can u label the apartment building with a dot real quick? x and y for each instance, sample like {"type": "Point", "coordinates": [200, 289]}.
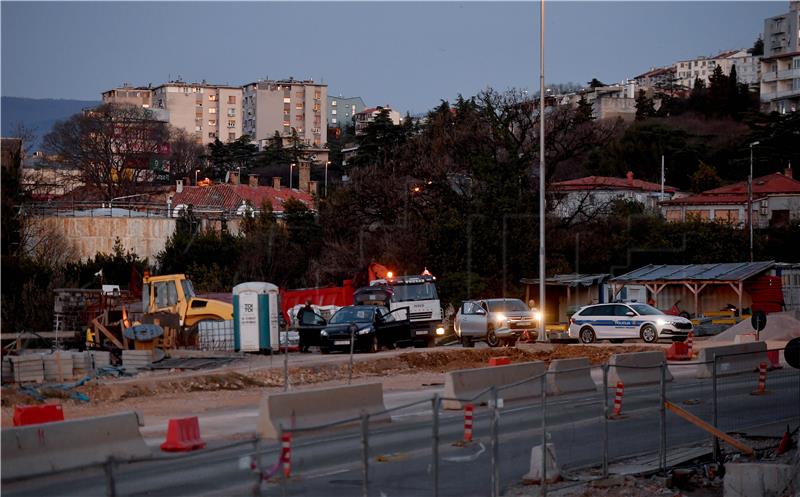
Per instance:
{"type": "Point", "coordinates": [285, 106]}
{"type": "Point", "coordinates": [342, 110]}
{"type": "Point", "coordinates": [748, 68]}
{"type": "Point", "coordinates": [656, 77]}
{"type": "Point", "coordinates": [780, 65]}
{"type": "Point", "coordinates": [207, 112]}
{"type": "Point", "coordinates": [140, 96]}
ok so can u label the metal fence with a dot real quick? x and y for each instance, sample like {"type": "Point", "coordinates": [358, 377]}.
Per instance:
{"type": "Point", "coordinates": [425, 451]}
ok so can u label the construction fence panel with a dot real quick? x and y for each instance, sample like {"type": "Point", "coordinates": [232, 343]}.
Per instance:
{"type": "Point", "coordinates": [694, 396]}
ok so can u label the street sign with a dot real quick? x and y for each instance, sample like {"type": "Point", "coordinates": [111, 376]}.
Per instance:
{"type": "Point", "coordinates": [792, 353]}
{"type": "Point", "coordinates": [758, 320]}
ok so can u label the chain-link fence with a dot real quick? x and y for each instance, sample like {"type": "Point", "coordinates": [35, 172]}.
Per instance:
{"type": "Point", "coordinates": [482, 445]}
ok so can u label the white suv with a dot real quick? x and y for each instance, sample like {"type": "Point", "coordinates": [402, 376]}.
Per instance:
{"type": "Point", "coordinates": [625, 321]}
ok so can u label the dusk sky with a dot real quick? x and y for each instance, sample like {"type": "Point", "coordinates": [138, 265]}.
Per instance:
{"type": "Point", "coordinates": [408, 55]}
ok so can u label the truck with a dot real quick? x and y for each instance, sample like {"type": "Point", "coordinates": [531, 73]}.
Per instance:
{"type": "Point", "coordinates": [174, 295]}
{"type": "Point", "coordinates": [418, 293]}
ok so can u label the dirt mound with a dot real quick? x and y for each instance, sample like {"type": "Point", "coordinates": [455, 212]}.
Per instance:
{"type": "Point", "coordinates": [780, 326]}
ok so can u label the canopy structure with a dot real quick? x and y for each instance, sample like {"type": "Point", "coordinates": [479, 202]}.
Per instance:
{"type": "Point", "coordinates": [695, 277]}
{"type": "Point", "coordinates": [572, 282]}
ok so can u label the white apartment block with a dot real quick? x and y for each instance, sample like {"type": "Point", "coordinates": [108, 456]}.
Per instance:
{"type": "Point", "coordinates": [207, 112]}
{"type": "Point", "coordinates": [748, 68]}
{"type": "Point", "coordinates": [286, 106]}
{"type": "Point", "coordinates": [366, 116]}
{"type": "Point", "coordinates": [780, 65]}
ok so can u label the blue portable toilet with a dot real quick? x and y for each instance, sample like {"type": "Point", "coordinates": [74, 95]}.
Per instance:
{"type": "Point", "coordinates": [255, 317]}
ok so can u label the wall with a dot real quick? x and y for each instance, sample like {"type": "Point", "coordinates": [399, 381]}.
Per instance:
{"type": "Point", "coordinates": [89, 235]}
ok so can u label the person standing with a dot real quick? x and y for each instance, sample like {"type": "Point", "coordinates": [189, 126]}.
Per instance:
{"type": "Point", "coordinates": [305, 316]}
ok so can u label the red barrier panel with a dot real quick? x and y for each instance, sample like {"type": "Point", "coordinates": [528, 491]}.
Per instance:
{"type": "Point", "coordinates": [35, 415]}
{"type": "Point", "coordinates": [499, 361]}
{"type": "Point", "coordinates": [183, 435]}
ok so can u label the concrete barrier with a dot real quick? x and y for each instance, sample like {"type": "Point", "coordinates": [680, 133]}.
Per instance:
{"type": "Point", "coordinates": [64, 445]}
{"type": "Point", "coordinates": [313, 407]}
{"type": "Point", "coordinates": [749, 356]}
{"type": "Point", "coordinates": [762, 479]}
{"type": "Point", "coordinates": [466, 383]}
{"type": "Point", "coordinates": [642, 368]}
{"type": "Point", "coordinates": [570, 375]}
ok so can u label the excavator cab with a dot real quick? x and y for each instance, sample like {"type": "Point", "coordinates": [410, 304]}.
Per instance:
{"type": "Point", "coordinates": [174, 294]}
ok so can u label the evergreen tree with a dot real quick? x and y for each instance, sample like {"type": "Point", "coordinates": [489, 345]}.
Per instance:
{"type": "Point", "coordinates": [584, 111]}
{"type": "Point", "coordinates": [596, 83]}
{"type": "Point", "coordinates": [758, 47]}
{"type": "Point", "coordinates": [644, 106]}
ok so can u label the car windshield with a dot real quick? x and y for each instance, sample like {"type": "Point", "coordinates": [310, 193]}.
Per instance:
{"type": "Point", "coordinates": [645, 310]}
{"type": "Point", "coordinates": [416, 291]}
{"type": "Point", "coordinates": [509, 305]}
{"type": "Point", "coordinates": [352, 315]}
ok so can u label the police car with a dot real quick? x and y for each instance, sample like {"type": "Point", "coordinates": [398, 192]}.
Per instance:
{"type": "Point", "coordinates": [625, 321]}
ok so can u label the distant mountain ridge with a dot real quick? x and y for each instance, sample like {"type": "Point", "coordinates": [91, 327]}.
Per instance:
{"type": "Point", "coordinates": [38, 114]}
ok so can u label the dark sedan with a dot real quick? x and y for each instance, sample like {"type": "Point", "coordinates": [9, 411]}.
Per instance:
{"type": "Point", "coordinates": [370, 326]}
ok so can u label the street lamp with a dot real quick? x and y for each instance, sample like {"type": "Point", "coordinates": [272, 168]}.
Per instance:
{"type": "Point", "coordinates": [750, 199]}
{"type": "Point", "coordinates": [328, 163]}
{"type": "Point", "coordinates": [291, 167]}
{"type": "Point", "coordinates": [542, 337]}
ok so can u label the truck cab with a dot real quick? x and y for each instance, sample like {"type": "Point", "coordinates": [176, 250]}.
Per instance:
{"type": "Point", "coordinates": [174, 294]}
{"type": "Point", "coordinates": [418, 293]}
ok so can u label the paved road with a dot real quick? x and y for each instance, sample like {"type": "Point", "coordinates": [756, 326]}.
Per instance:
{"type": "Point", "coordinates": [400, 452]}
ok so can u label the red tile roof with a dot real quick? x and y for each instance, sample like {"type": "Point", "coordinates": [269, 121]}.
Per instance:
{"type": "Point", "coordinates": [609, 183]}
{"type": "Point", "coordinates": [231, 197]}
{"type": "Point", "coordinates": [771, 184]}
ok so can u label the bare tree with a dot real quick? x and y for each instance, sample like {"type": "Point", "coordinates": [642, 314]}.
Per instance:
{"type": "Point", "coordinates": [111, 146]}
{"type": "Point", "coordinates": [186, 154]}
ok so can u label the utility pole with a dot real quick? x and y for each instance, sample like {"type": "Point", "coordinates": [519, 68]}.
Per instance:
{"type": "Point", "coordinates": [542, 333]}
{"type": "Point", "coordinates": [662, 177]}
{"type": "Point", "coordinates": [750, 199]}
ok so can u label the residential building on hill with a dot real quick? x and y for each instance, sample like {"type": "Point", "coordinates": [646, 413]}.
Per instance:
{"type": "Point", "coordinates": [592, 196]}
{"type": "Point", "coordinates": [286, 106]}
{"type": "Point", "coordinates": [366, 116]}
{"type": "Point", "coordinates": [656, 77]}
{"type": "Point", "coordinates": [776, 201]}
{"type": "Point", "coordinates": [342, 110]}
{"type": "Point", "coordinates": [140, 96]}
{"type": "Point", "coordinates": [780, 65]}
{"type": "Point", "coordinates": [748, 68]}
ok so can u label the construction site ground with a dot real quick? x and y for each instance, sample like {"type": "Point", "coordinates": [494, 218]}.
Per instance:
{"type": "Point", "coordinates": [241, 383]}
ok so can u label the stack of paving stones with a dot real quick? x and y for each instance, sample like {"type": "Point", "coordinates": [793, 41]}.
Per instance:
{"type": "Point", "coordinates": [134, 360]}
{"type": "Point", "coordinates": [57, 366]}
{"type": "Point", "coordinates": [8, 374]}
{"type": "Point", "coordinates": [100, 358]}
{"type": "Point", "coordinates": [81, 364]}
{"type": "Point", "coordinates": [28, 368]}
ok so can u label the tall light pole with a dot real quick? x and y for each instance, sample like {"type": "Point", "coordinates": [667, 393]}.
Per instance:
{"type": "Point", "coordinates": [750, 199]}
{"type": "Point", "coordinates": [291, 167]}
{"type": "Point", "coordinates": [542, 333]}
{"type": "Point", "coordinates": [327, 163]}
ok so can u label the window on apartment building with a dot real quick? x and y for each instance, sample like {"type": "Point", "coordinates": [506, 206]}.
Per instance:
{"type": "Point", "coordinates": [299, 94]}
{"type": "Point", "coordinates": [198, 128]}
{"type": "Point", "coordinates": [333, 112]}
{"type": "Point", "coordinates": [231, 112]}
{"type": "Point", "coordinates": [212, 122]}
{"type": "Point", "coordinates": [212, 135]}
{"type": "Point", "coordinates": [232, 99]}
{"type": "Point", "coordinates": [299, 106]}
{"type": "Point", "coordinates": [231, 136]}
{"type": "Point", "coordinates": [317, 94]}
{"type": "Point", "coordinates": [333, 120]}
{"type": "Point", "coordinates": [212, 110]}
{"type": "Point", "coordinates": [674, 215]}
{"type": "Point", "coordinates": [212, 98]}
{"type": "Point", "coordinates": [333, 103]}
{"type": "Point", "coordinates": [299, 130]}
{"type": "Point", "coordinates": [317, 143]}
{"type": "Point", "coordinates": [796, 63]}
{"type": "Point", "coordinates": [298, 117]}
{"type": "Point", "coordinates": [231, 123]}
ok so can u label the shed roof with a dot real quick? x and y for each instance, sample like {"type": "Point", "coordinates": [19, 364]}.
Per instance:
{"type": "Point", "coordinates": [572, 280]}
{"type": "Point", "coordinates": [731, 271]}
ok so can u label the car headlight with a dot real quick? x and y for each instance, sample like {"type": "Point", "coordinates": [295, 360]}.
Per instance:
{"type": "Point", "coordinates": [500, 317]}
{"type": "Point", "coordinates": [440, 331]}
{"type": "Point", "coordinates": [323, 333]}
{"type": "Point", "coordinates": [537, 315]}
{"type": "Point", "coordinates": [364, 331]}
{"type": "Point", "coordinates": [662, 322]}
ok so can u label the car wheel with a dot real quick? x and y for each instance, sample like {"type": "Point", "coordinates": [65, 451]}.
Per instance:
{"type": "Point", "coordinates": [467, 342]}
{"type": "Point", "coordinates": [491, 338]}
{"type": "Point", "coordinates": [587, 335]}
{"type": "Point", "coordinates": [649, 333]}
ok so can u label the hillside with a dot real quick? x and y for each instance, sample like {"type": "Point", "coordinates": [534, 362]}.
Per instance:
{"type": "Point", "coordinates": [38, 114]}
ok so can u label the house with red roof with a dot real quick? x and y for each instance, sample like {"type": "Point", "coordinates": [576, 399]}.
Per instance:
{"type": "Point", "coordinates": [596, 195]}
{"type": "Point", "coordinates": [776, 201]}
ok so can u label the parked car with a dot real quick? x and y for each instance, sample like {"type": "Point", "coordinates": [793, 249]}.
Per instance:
{"type": "Point", "coordinates": [373, 327]}
{"type": "Point", "coordinates": [496, 321]}
{"type": "Point", "coordinates": [625, 321]}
